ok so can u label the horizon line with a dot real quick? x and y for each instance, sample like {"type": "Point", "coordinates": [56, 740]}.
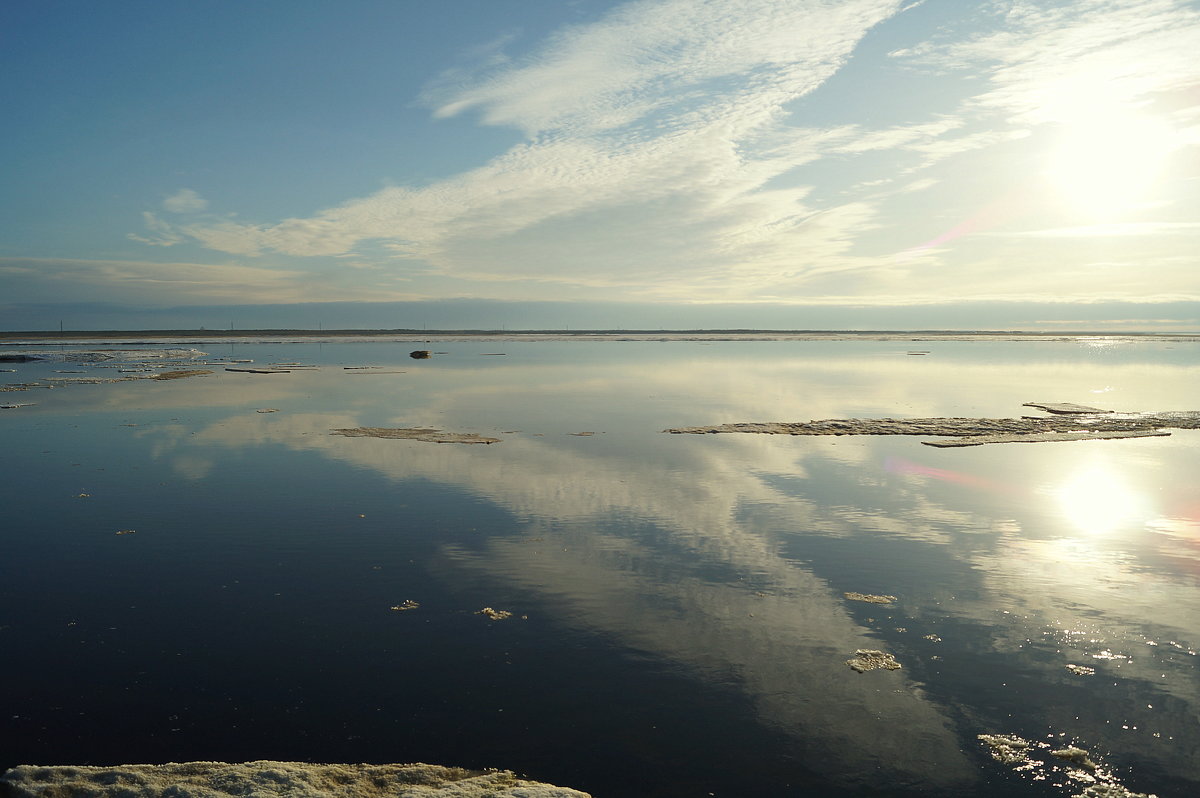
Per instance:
{"type": "Point", "coordinates": [358, 331]}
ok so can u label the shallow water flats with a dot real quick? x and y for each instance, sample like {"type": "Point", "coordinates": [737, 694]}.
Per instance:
{"type": "Point", "coordinates": [140, 364]}
{"type": "Point", "coordinates": [14, 387]}
{"type": "Point", "coordinates": [100, 355]}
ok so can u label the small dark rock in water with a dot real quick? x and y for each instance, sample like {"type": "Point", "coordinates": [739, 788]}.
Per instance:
{"type": "Point", "coordinates": [8, 358]}
{"type": "Point", "coordinates": [419, 354]}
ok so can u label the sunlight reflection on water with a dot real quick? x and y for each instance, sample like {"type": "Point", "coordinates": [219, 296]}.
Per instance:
{"type": "Point", "coordinates": [1097, 500]}
{"type": "Point", "coordinates": [665, 588]}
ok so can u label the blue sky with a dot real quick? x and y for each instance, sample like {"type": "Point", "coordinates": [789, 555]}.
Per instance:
{"type": "Point", "coordinates": [847, 163]}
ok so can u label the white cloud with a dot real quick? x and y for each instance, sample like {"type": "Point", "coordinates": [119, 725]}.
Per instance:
{"type": "Point", "coordinates": [185, 200]}
{"type": "Point", "coordinates": [918, 185]}
{"type": "Point", "coordinates": [1107, 230]}
{"type": "Point", "coordinates": [161, 234]}
{"type": "Point", "coordinates": [653, 55]}
{"type": "Point", "coordinates": [659, 109]}
{"type": "Point", "coordinates": [1044, 61]}
{"type": "Point", "coordinates": [897, 137]}
{"type": "Point", "coordinates": [191, 280]}
{"type": "Point", "coordinates": [171, 283]}
{"type": "Point", "coordinates": [659, 161]}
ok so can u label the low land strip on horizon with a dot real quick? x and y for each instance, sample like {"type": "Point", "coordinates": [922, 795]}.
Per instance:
{"type": "Point", "coordinates": [711, 334]}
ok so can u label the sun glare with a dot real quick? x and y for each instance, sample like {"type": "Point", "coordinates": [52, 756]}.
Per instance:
{"type": "Point", "coordinates": [1097, 501]}
{"type": "Point", "coordinates": [1108, 159]}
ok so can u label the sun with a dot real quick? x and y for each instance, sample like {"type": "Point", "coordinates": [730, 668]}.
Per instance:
{"type": "Point", "coordinates": [1108, 159]}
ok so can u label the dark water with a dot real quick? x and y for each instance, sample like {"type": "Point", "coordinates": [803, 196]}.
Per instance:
{"type": "Point", "coordinates": [679, 621]}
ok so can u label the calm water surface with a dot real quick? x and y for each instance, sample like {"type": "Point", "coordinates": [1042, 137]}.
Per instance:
{"type": "Point", "coordinates": [679, 621]}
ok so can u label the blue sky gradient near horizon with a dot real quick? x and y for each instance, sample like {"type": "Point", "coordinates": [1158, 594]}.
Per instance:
{"type": "Point", "coordinates": [534, 164]}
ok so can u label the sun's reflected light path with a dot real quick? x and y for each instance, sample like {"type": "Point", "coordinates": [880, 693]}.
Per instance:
{"type": "Point", "coordinates": [1097, 500]}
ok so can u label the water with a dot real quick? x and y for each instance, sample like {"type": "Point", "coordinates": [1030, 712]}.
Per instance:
{"type": "Point", "coordinates": [679, 621]}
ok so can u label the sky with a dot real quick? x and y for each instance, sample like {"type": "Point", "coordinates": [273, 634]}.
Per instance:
{"type": "Point", "coordinates": [775, 164]}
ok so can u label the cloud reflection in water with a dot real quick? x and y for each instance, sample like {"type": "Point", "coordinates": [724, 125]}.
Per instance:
{"type": "Point", "coordinates": [728, 554]}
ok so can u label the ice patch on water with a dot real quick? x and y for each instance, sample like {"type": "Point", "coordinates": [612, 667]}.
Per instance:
{"type": "Point", "coordinates": [1070, 767]}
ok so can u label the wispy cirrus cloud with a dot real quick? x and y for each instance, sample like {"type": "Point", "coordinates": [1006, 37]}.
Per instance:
{"type": "Point", "coordinates": [858, 140]}
{"type": "Point", "coordinates": [651, 136]}
{"type": "Point", "coordinates": [158, 233]}
{"type": "Point", "coordinates": [185, 200]}
{"type": "Point", "coordinates": [659, 159]}
{"type": "Point", "coordinates": [1044, 61]}
{"type": "Point", "coordinates": [657, 57]}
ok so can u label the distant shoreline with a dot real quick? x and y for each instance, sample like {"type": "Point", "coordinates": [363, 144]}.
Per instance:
{"type": "Point", "coordinates": [408, 335]}
{"type": "Point", "coordinates": [421, 336]}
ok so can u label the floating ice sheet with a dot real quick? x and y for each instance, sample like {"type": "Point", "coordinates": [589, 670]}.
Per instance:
{"type": "Point", "coordinates": [1072, 426]}
{"type": "Point", "coordinates": [415, 434]}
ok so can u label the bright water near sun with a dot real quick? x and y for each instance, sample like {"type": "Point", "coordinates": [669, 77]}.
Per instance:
{"type": "Point", "coordinates": [679, 624]}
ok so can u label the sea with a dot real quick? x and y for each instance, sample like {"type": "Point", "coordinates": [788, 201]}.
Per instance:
{"type": "Point", "coordinates": [203, 568]}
